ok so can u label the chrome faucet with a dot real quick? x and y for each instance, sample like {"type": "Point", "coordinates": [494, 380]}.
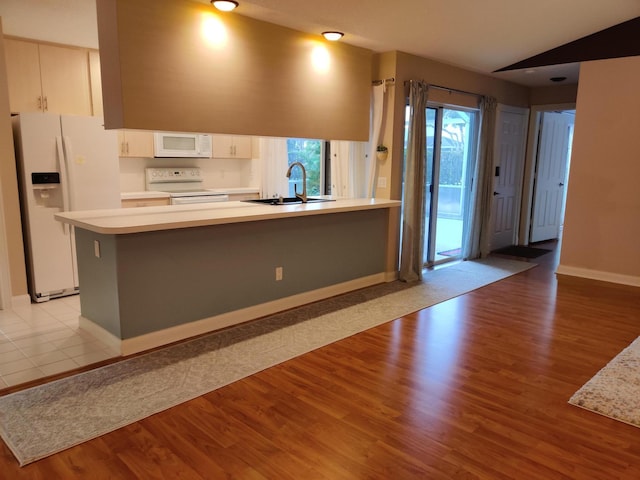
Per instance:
{"type": "Point", "coordinates": [302, 196]}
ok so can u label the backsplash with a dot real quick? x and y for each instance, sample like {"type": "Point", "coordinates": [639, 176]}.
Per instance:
{"type": "Point", "coordinates": [218, 172]}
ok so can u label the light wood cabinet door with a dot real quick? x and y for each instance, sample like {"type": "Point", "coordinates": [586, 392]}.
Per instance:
{"type": "Point", "coordinates": [144, 202]}
{"type": "Point", "coordinates": [135, 143]}
{"type": "Point", "coordinates": [23, 76]}
{"type": "Point", "coordinates": [243, 196]}
{"type": "Point", "coordinates": [47, 78]}
{"type": "Point", "coordinates": [65, 80]}
{"type": "Point", "coordinates": [225, 146]}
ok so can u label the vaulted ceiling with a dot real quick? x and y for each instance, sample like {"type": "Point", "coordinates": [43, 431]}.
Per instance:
{"type": "Point", "coordinates": [479, 36]}
{"type": "Point", "coordinates": [482, 36]}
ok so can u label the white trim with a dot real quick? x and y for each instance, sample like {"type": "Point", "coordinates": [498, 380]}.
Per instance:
{"type": "Point", "coordinates": [631, 280]}
{"type": "Point", "coordinates": [5, 275]}
{"type": "Point", "coordinates": [20, 301]}
{"type": "Point", "coordinates": [180, 332]}
{"type": "Point", "coordinates": [100, 333]}
{"type": "Point", "coordinates": [391, 276]}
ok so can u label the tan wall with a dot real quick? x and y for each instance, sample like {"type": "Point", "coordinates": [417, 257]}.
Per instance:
{"type": "Point", "coordinates": [555, 95]}
{"type": "Point", "coordinates": [384, 67]}
{"type": "Point", "coordinates": [411, 67]}
{"type": "Point", "coordinates": [9, 187]}
{"type": "Point", "coordinates": [405, 67]}
{"type": "Point", "coordinates": [161, 73]}
{"type": "Point", "coordinates": [602, 222]}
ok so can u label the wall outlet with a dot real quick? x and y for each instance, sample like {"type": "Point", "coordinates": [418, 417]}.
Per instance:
{"type": "Point", "coordinates": [278, 274]}
{"type": "Point", "coordinates": [382, 182]}
{"type": "Point", "coordinates": [96, 248]}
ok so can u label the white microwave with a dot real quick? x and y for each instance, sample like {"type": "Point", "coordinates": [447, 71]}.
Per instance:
{"type": "Point", "coordinates": [178, 145]}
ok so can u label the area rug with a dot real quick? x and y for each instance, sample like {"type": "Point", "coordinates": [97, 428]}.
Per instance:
{"type": "Point", "coordinates": [522, 251]}
{"type": "Point", "coordinates": [615, 390]}
{"type": "Point", "coordinates": [46, 419]}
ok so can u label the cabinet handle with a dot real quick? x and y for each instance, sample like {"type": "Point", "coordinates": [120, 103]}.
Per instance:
{"type": "Point", "coordinates": [127, 148]}
{"type": "Point", "coordinates": [39, 103]}
{"type": "Point", "coordinates": [46, 104]}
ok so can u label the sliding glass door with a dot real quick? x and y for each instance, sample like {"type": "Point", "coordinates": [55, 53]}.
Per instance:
{"type": "Point", "coordinates": [450, 155]}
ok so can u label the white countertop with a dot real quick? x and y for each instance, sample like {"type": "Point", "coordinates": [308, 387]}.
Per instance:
{"type": "Point", "coordinates": [148, 219]}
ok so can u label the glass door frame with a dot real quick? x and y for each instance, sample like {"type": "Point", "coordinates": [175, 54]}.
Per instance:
{"type": "Point", "coordinates": [432, 193]}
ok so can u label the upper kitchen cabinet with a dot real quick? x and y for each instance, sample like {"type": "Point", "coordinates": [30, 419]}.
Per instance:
{"type": "Point", "coordinates": [225, 146]}
{"type": "Point", "coordinates": [135, 143]}
{"type": "Point", "coordinates": [47, 78]}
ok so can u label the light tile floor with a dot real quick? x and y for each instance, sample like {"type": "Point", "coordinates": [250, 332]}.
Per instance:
{"type": "Point", "coordinates": [44, 339]}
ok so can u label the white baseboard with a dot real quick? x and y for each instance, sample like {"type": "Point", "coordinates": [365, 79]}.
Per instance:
{"type": "Point", "coordinates": [180, 332]}
{"type": "Point", "coordinates": [100, 333]}
{"type": "Point", "coordinates": [391, 276]}
{"type": "Point", "coordinates": [20, 301]}
{"type": "Point", "coordinates": [598, 275]}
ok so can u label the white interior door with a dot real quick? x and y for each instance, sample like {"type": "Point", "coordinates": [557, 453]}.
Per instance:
{"type": "Point", "coordinates": [508, 168]}
{"type": "Point", "coordinates": [549, 190]}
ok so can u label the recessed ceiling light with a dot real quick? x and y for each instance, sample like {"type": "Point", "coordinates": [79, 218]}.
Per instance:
{"type": "Point", "coordinates": [558, 79]}
{"type": "Point", "coordinates": [333, 36]}
{"type": "Point", "coordinates": [224, 5]}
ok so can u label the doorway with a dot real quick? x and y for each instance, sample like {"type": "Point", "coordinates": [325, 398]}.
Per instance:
{"type": "Point", "coordinates": [537, 142]}
{"type": "Point", "coordinates": [450, 156]}
{"type": "Point", "coordinates": [552, 167]}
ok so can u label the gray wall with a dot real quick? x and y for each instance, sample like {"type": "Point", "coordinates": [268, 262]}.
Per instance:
{"type": "Point", "coordinates": [173, 277]}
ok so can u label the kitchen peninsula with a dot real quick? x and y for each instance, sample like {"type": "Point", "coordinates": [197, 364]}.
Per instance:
{"type": "Point", "coordinates": [153, 275]}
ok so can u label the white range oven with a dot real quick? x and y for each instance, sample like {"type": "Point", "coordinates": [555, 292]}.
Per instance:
{"type": "Point", "coordinates": [183, 184]}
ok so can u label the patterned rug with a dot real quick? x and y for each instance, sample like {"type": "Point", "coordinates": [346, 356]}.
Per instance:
{"type": "Point", "coordinates": [615, 390]}
{"type": "Point", "coordinates": [46, 419]}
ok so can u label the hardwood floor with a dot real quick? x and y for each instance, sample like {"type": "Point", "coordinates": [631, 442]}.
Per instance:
{"type": "Point", "coordinates": [475, 387]}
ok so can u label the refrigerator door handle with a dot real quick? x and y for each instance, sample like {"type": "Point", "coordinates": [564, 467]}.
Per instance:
{"type": "Point", "coordinates": [64, 181]}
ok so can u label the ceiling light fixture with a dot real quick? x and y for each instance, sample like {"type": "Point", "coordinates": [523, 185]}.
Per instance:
{"type": "Point", "coordinates": [333, 36]}
{"type": "Point", "coordinates": [224, 5]}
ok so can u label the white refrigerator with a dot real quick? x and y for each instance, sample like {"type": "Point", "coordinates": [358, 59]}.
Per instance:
{"type": "Point", "coordinates": [65, 163]}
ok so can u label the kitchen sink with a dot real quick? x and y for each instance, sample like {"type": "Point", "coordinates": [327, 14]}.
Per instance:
{"type": "Point", "coordinates": [287, 200]}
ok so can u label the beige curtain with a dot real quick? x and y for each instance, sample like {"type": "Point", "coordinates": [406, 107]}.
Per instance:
{"type": "Point", "coordinates": [412, 252]}
{"type": "Point", "coordinates": [477, 243]}
{"type": "Point", "coordinates": [348, 169]}
{"type": "Point", "coordinates": [377, 112]}
{"type": "Point", "coordinates": [274, 162]}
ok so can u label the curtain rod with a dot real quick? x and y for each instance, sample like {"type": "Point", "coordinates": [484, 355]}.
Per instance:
{"type": "Point", "coordinates": [451, 90]}
{"type": "Point", "coordinates": [386, 81]}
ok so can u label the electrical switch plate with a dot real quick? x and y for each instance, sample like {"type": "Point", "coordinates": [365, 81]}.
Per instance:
{"type": "Point", "coordinates": [382, 182]}
{"type": "Point", "coordinates": [278, 274]}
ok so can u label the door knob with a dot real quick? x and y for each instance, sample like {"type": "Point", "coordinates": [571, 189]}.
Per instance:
{"type": "Point", "coordinates": [495, 193]}
{"type": "Point", "coordinates": [561, 184]}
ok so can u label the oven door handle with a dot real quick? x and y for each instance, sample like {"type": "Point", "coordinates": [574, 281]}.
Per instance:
{"type": "Point", "coordinates": [180, 200]}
